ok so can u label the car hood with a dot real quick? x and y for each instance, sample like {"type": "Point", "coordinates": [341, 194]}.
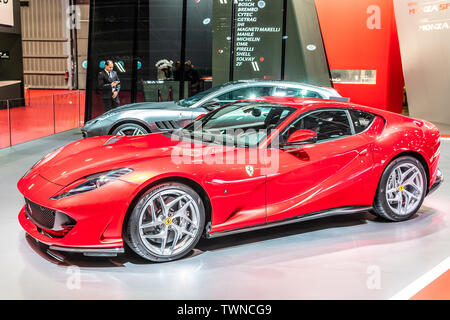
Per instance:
{"type": "Point", "coordinates": [99, 154]}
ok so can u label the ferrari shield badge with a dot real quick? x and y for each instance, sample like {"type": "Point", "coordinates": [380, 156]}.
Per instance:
{"type": "Point", "coordinates": [250, 170]}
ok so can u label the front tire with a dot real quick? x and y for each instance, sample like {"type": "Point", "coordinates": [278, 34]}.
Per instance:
{"type": "Point", "coordinates": [401, 190]}
{"type": "Point", "coordinates": [166, 223]}
{"type": "Point", "coordinates": [130, 129]}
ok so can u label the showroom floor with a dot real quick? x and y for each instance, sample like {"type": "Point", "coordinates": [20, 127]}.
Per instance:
{"type": "Point", "coordinates": [343, 257]}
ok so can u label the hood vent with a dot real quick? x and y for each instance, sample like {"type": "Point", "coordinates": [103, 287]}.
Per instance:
{"type": "Point", "coordinates": [112, 140]}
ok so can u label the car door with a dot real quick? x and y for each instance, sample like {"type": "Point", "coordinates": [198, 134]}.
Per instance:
{"type": "Point", "coordinates": [323, 175]}
{"type": "Point", "coordinates": [237, 184]}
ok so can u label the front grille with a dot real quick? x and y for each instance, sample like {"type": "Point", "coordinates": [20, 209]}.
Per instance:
{"type": "Point", "coordinates": [167, 125]}
{"type": "Point", "coordinates": [43, 217]}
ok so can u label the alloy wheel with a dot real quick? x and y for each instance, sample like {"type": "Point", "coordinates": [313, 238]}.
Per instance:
{"type": "Point", "coordinates": [131, 131]}
{"type": "Point", "coordinates": [404, 188]}
{"type": "Point", "coordinates": [169, 222]}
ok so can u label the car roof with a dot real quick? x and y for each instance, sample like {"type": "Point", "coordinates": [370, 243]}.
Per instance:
{"type": "Point", "coordinates": [301, 103]}
{"type": "Point", "coordinates": [306, 104]}
{"type": "Point", "coordinates": [284, 83]}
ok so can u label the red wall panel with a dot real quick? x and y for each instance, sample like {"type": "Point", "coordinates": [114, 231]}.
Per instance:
{"type": "Point", "coordinates": [362, 35]}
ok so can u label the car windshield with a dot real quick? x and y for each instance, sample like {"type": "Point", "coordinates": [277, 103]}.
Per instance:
{"type": "Point", "coordinates": [242, 124]}
{"type": "Point", "coordinates": [199, 96]}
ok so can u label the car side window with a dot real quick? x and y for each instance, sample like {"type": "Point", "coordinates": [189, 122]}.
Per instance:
{"type": "Point", "coordinates": [244, 93]}
{"type": "Point", "coordinates": [327, 124]}
{"type": "Point", "coordinates": [296, 92]}
{"type": "Point", "coordinates": [361, 120]}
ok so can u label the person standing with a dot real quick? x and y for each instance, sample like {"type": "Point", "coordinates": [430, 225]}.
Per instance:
{"type": "Point", "coordinates": [109, 83]}
{"type": "Point", "coordinates": [177, 71]}
{"type": "Point", "coordinates": [192, 75]}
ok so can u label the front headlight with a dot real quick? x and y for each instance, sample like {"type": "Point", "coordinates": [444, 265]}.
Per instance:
{"type": "Point", "coordinates": [91, 183]}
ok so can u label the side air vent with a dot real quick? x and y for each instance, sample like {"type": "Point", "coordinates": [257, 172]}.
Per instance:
{"type": "Point", "coordinates": [166, 125]}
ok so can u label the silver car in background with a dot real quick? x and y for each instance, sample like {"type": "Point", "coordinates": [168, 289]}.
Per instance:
{"type": "Point", "coordinates": [148, 117]}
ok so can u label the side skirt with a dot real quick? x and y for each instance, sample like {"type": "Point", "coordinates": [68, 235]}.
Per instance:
{"type": "Point", "coordinates": [303, 217]}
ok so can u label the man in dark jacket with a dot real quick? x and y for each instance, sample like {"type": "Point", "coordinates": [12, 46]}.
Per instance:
{"type": "Point", "coordinates": [192, 75]}
{"type": "Point", "coordinates": [109, 83]}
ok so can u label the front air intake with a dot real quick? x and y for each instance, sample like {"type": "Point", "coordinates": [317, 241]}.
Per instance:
{"type": "Point", "coordinates": [41, 216]}
{"type": "Point", "coordinates": [53, 222]}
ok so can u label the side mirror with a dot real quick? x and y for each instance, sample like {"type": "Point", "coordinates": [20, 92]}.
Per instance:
{"type": "Point", "coordinates": [302, 137]}
{"type": "Point", "coordinates": [211, 104]}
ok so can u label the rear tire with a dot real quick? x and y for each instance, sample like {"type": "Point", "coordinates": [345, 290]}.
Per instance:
{"type": "Point", "coordinates": [166, 223]}
{"type": "Point", "coordinates": [401, 190]}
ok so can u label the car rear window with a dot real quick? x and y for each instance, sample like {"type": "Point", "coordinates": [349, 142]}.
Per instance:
{"type": "Point", "coordinates": [361, 120]}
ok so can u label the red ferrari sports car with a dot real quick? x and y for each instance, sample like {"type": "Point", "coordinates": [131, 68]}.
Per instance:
{"type": "Point", "coordinates": [249, 165]}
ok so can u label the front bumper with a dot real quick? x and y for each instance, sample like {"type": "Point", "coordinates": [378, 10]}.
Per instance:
{"type": "Point", "coordinates": [93, 131]}
{"type": "Point", "coordinates": [58, 244]}
{"type": "Point", "coordinates": [97, 216]}
{"type": "Point", "coordinates": [437, 182]}
{"type": "Point", "coordinates": [96, 128]}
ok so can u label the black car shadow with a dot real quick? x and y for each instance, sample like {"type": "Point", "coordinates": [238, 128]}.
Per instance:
{"type": "Point", "coordinates": [424, 223]}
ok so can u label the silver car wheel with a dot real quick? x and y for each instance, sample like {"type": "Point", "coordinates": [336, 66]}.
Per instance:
{"type": "Point", "coordinates": [131, 131]}
{"type": "Point", "coordinates": [404, 188]}
{"type": "Point", "coordinates": [169, 222]}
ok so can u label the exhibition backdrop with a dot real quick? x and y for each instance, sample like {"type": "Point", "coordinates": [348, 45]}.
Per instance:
{"type": "Point", "coordinates": [224, 40]}
{"type": "Point", "coordinates": [250, 39]}
{"type": "Point", "coordinates": [11, 64]}
{"type": "Point", "coordinates": [424, 33]}
{"type": "Point", "coordinates": [270, 40]}
{"type": "Point", "coordinates": [361, 42]}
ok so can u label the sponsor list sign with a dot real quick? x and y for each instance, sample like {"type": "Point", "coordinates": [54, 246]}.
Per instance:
{"type": "Point", "coordinates": [7, 13]}
{"type": "Point", "coordinates": [257, 41]}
